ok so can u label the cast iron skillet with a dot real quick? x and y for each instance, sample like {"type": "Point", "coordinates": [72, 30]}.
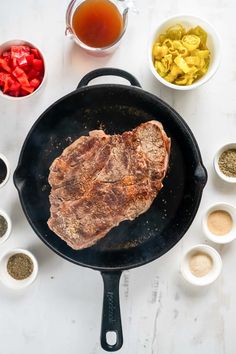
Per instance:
{"type": "Point", "coordinates": [114, 108]}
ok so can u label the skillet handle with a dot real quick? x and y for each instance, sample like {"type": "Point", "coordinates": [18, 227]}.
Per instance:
{"type": "Point", "coordinates": [108, 72]}
{"type": "Point", "coordinates": [111, 319]}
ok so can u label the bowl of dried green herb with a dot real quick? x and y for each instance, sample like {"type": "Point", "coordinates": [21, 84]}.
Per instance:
{"type": "Point", "coordinates": [5, 226]}
{"type": "Point", "coordinates": [18, 268]}
{"type": "Point", "coordinates": [225, 163]}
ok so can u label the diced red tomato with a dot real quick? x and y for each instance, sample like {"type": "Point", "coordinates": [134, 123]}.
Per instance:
{"type": "Point", "coordinates": [23, 92]}
{"type": "Point", "coordinates": [14, 62]}
{"type": "Point", "coordinates": [7, 84]}
{"type": "Point", "coordinates": [18, 51]}
{"type": "Point", "coordinates": [30, 59]}
{"type": "Point", "coordinates": [15, 86]}
{"type": "Point", "coordinates": [21, 70]}
{"type": "Point", "coordinates": [14, 93]}
{"type": "Point", "coordinates": [3, 77]}
{"type": "Point", "coordinates": [6, 54]}
{"type": "Point", "coordinates": [4, 65]}
{"type": "Point", "coordinates": [22, 62]}
{"type": "Point", "coordinates": [38, 64]}
{"type": "Point", "coordinates": [35, 52]}
{"type": "Point", "coordinates": [21, 76]}
{"type": "Point", "coordinates": [27, 88]}
{"type": "Point", "coordinates": [33, 74]}
{"type": "Point", "coordinates": [35, 83]}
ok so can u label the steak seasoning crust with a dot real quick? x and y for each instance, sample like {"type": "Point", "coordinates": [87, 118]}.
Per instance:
{"type": "Point", "coordinates": [101, 180]}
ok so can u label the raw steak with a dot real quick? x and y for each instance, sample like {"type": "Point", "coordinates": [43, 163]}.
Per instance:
{"type": "Point", "coordinates": [101, 180]}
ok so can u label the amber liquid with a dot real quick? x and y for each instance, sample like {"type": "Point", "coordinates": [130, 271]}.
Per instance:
{"type": "Point", "coordinates": [97, 23]}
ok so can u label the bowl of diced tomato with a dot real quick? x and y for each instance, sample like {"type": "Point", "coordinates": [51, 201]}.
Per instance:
{"type": "Point", "coordinates": [22, 69]}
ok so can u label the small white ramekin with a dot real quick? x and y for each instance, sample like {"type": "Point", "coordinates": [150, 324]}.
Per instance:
{"type": "Point", "coordinates": [6, 46]}
{"type": "Point", "coordinates": [213, 43]}
{"type": "Point", "coordinates": [7, 279]}
{"type": "Point", "coordinates": [8, 170]}
{"type": "Point", "coordinates": [220, 239]}
{"type": "Point", "coordinates": [208, 278]}
{"type": "Point", "coordinates": [216, 165]}
{"type": "Point", "coordinates": [9, 227]}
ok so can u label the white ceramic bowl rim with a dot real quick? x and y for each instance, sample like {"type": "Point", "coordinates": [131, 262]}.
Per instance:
{"type": "Point", "coordinates": [210, 31]}
{"type": "Point", "coordinates": [5, 160]}
{"type": "Point", "coordinates": [5, 276]}
{"type": "Point", "coordinates": [208, 278]}
{"type": "Point", "coordinates": [9, 226]}
{"type": "Point", "coordinates": [216, 165]}
{"type": "Point", "coordinates": [223, 238]}
{"type": "Point", "coordinates": [8, 44]}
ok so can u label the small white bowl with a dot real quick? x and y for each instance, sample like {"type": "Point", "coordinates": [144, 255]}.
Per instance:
{"type": "Point", "coordinates": [6, 278]}
{"type": "Point", "coordinates": [9, 227]}
{"type": "Point", "coordinates": [208, 278]}
{"type": "Point", "coordinates": [213, 43]}
{"type": "Point", "coordinates": [8, 170]}
{"type": "Point", "coordinates": [6, 46]}
{"type": "Point", "coordinates": [220, 239]}
{"type": "Point", "coordinates": [216, 165]}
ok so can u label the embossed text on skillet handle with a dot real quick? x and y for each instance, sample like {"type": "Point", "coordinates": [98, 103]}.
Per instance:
{"type": "Point", "coordinates": [111, 319]}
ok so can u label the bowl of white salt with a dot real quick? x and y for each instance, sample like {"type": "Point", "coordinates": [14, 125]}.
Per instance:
{"type": "Point", "coordinates": [201, 265]}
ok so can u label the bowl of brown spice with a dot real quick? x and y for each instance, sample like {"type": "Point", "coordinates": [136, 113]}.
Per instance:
{"type": "Point", "coordinates": [18, 268]}
{"type": "Point", "coordinates": [225, 163]}
{"type": "Point", "coordinates": [219, 223]}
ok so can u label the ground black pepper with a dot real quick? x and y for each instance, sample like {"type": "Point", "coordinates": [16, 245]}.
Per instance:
{"type": "Point", "coordinates": [3, 170]}
{"type": "Point", "coordinates": [3, 226]}
{"type": "Point", "coordinates": [20, 266]}
{"type": "Point", "coordinates": [227, 163]}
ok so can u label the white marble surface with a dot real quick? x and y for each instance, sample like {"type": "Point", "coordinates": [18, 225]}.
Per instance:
{"type": "Point", "coordinates": [60, 313]}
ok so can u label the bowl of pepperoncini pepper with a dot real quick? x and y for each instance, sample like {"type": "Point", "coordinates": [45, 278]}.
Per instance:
{"type": "Point", "coordinates": [184, 52]}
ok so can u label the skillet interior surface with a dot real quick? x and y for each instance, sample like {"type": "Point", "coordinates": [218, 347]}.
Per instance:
{"type": "Point", "coordinates": [115, 109]}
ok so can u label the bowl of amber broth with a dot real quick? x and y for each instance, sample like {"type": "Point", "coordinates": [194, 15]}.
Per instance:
{"type": "Point", "coordinates": [184, 52]}
{"type": "Point", "coordinates": [18, 268]}
{"type": "Point", "coordinates": [219, 223]}
{"type": "Point", "coordinates": [225, 163]}
{"type": "Point", "coordinates": [96, 25]}
{"type": "Point", "coordinates": [201, 265]}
